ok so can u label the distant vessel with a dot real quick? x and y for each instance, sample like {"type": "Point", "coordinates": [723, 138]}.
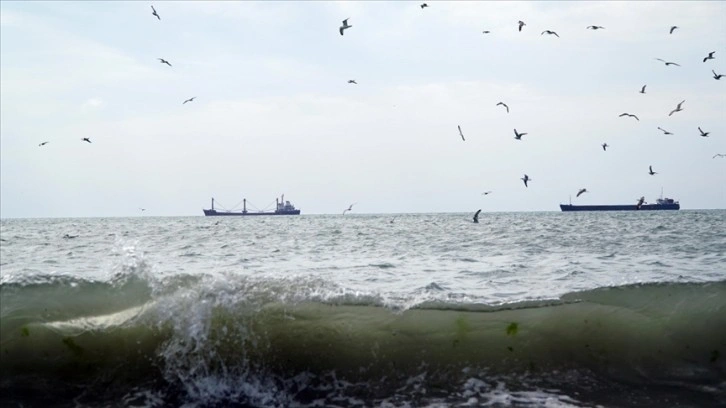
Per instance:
{"type": "Point", "coordinates": [282, 207]}
{"type": "Point", "coordinates": [660, 204]}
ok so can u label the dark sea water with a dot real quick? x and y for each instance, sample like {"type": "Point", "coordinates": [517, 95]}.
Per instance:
{"type": "Point", "coordinates": [419, 310]}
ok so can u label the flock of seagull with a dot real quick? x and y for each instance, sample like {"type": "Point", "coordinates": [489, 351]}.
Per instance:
{"type": "Point", "coordinates": [517, 135]}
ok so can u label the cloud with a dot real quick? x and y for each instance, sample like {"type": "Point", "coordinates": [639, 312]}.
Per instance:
{"type": "Point", "coordinates": [92, 104]}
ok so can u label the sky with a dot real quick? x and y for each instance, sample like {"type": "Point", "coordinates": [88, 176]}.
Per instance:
{"type": "Point", "coordinates": [274, 113]}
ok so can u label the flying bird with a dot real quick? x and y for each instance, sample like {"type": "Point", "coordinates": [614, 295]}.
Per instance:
{"type": "Point", "coordinates": [85, 139]}
{"type": "Point", "coordinates": [581, 191]}
{"type": "Point", "coordinates": [485, 32]}
{"type": "Point", "coordinates": [345, 26]}
{"type": "Point", "coordinates": [43, 144]}
{"type": "Point", "coordinates": [665, 132]}
{"type": "Point", "coordinates": [460, 133]}
{"type": "Point", "coordinates": [594, 27]}
{"type": "Point", "coordinates": [642, 90]}
{"type": "Point", "coordinates": [476, 216]}
{"type": "Point", "coordinates": [668, 63]}
{"type": "Point", "coordinates": [503, 104]}
{"type": "Point", "coordinates": [604, 147]}
{"type": "Point", "coordinates": [163, 61]}
{"type": "Point", "coordinates": [486, 193]}
{"type": "Point", "coordinates": [525, 179]}
{"type": "Point", "coordinates": [718, 155]}
{"type": "Point", "coordinates": [142, 209]}
{"type": "Point", "coordinates": [189, 100]}
{"type": "Point", "coordinates": [704, 134]}
{"type": "Point", "coordinates": [153, 12]}
{"type": "Point", "coordinates": [521, 24]}
{"type": "Point", "coordinates": [640, 202]}
{"type": "Point", "coordinates": [710, 56]}
{"type": "Point", "coordinates": [424, 6]}
{"type": "Point", "coordinates": [677, 109]}
{"type": "Point", "coordinates": [650, 170]}
{"type": "Point", "coordinates": [716, 76]}
{"type": "Point", "coordinates": [352, 81]}
{"type": "Point", "coordinates": [550, 33]}
{"type": "Point", "coordinates": [673, 28]}
{"type": "Point", "coordinates": [628, 114]}
{"type": "Point", "coordinates": [350, 208]}
{"type": "Point", "coordinates": [518, 136]}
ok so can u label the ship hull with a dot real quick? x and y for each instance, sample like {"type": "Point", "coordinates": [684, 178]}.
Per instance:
{"type": "Point", "coordinates": [631, 207]}
{"type": "Point", "coordinates": [215, 213]}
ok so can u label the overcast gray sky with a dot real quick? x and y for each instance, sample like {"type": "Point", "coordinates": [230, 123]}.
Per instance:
{"type": "Point", "coordinates": [274, 113]}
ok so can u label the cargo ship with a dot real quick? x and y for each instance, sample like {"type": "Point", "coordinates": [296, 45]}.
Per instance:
{"type": "Point", "coordinates": [282, 207]}
{"type": "Point", "coordinates": [641, 205]}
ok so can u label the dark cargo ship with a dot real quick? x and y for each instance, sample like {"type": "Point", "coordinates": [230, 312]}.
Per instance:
{"type": "Point", "coordinates": [660, 204]}
{"type": "Point", "coordinates": [282, 207]}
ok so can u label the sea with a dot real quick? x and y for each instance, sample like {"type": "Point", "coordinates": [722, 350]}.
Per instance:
{"type": "Point", "coordinates": [541, 309]}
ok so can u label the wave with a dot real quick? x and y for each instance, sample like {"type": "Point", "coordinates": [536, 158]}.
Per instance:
{"type": "Point", "coordinates": [220, 339]}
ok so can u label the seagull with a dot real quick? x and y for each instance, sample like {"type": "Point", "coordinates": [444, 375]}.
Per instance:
{"type": "Point", "coordinates": [668, 63]}
{"type": "Point", "coordinates": [677, 109]}
{"type": "Point", "coordinates": [462, 135]}
{"type": "Point", "coordinates": [352, 81]}
{"type": "Point", "coordinates": [189, 100]}
{"type": "Point", "coordinates": [350, 208]}
{"type": "Point", "coordinates": [486, 193]}
{"type": "Point", "coordinates": [604, 147]}
{"type": "Point", "coordinates": [505, 105]}
{"type": "Point", "coordinates": [424, 6]}
{"type": "Point", "coordinates": [153, 12]}
{"type": "Point", "coordinates": [641, 200]}
{"type": "Point", "coordinates": [43, 144]}
{"type": "Point", "coordinates": [344, 26]}
{"type": "Point", "coordinates": [718, 155]}
{"type": "Point", "coordinates": [594, 27]}
{"type": "Point", "coordinates": [550, 33]}
{"type": "Point", "coordinates": [650, 170]}
{"type": "Point", "coordinates": [642, 90]}
{"type": "Point", "coordinates": [710, 56]}
{"type": "Point", "coordinates": [521, 24]}
{"type": "Point", "coordinates": [673, 28]}
{"type": "Point", "coordinates": [628, 114]}
{"type": "Point", "coordinates": [163, 61]}
{"type": "Point", "coordinates": [704, 134]}
{"type": "Point", "coordinates": [518, 136]}
{"type": "Point", "coordinates": [476, 216]}
{"type": "Point", "coordinates": [581, 191]}
{"type": "Point", "coordinates": [665, 132]}
{"type": "Point", "coordinates": [716, 76]}
{"type": "Point", "coordinates": [142, 209]}
{"type": "Point", "coordinates": [485, 32]}
{"type": "Point", "coordinates": [525, 179]}
{"type": "Point", "coordinates": [85, 139]}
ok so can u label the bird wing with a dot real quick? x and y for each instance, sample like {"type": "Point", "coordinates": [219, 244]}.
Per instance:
{"type": "Point", "coordinates": [673, 63]}
{"type": "Point", "coordinates": [659, 59]}
{"type": "Point", "coordinates": [636, 118]}
{"type": "Point", "coordinates": [643, 88]}
{"type": "Point", "coordinates": [650, 168]}
{"type": "Point", "coordinates": [556, 35]}
{"type": "Point", "coordinates": [622, 114]}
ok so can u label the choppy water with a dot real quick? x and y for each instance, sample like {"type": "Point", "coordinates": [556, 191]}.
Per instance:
{"type": "Point", "coordinates": [523, 309]}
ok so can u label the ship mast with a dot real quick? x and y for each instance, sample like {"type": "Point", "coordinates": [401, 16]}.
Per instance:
{"type": "Point", "coordinates": [212, 202]}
